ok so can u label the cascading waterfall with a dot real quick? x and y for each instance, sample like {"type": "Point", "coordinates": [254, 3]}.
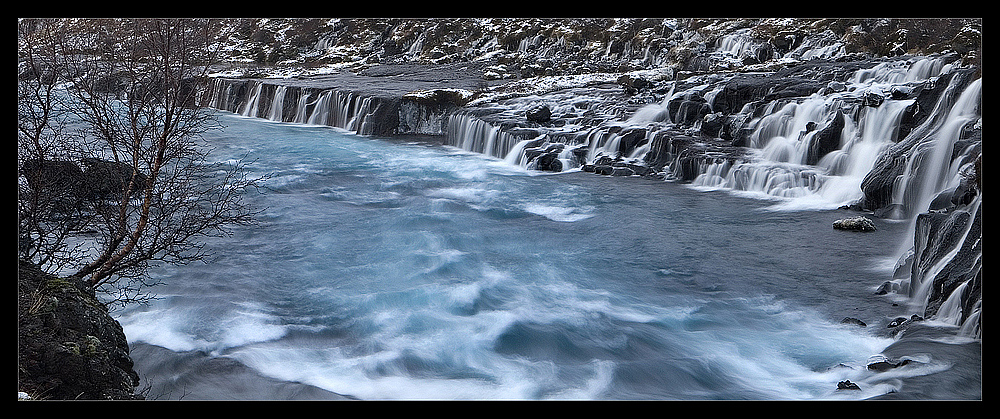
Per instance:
{"type": "Point", "coordinates": [737, 45]}
{"type": "Point", "coordinates": [348, 110]}
{"type": "Point", "coordinates": [301, 108]}
{"type": "Point", "coordinates": [920, 283]}
{"type": "Point", "coordinates": [473, 134]}
{"type": "Point", "coordinates": [321, 110]}
{"type": "Point", "coordinates": [783, 137]}
{"type": "Point", "coordinates": [416, 47]}
{"type": "Point", "coordinates": [596, 139]}
{"type": "Point", "coordinates": [930, 169]}
{"type": "Point", "coordinates": [357, 115]}
{"type": "Point", "coordinates": [782, 140]}
{"type": "Point", "coordinates": [516, 154]}
{"type": "Point", "coordinates": [250, 108]}
{"type": "Point", "coordinates": [276, 112]}
{"type": "Point", "coordinates": [220, 95]}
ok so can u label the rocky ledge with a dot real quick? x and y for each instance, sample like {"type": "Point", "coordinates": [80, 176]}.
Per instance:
{"type": "Point", "coordinates": [69, 348]}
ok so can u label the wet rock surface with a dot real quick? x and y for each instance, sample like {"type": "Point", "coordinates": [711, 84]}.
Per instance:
{"type": "Point", "coordinates": [69, 348]}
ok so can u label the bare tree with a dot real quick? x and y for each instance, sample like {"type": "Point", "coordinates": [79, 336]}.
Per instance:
{"type": "Point", "coordinates": [145, 191]}
{"type": "Point", "coordinates": [49, 212]}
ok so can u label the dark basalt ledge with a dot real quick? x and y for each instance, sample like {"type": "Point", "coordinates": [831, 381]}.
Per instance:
{"type": "Point", "coordinates": [69, 348]}
{"type": "Point", "coordinates": [418, 99]}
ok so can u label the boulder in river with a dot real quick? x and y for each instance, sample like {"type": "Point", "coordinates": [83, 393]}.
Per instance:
{"type": "Point", "coordinates": [847, 385]}
{"type": "Point", "coordinates": [858, 223]}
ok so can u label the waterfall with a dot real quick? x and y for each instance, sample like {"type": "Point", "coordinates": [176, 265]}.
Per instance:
{"type": "Point", "coordinates": [278, 104]}
{"type": "Point", "coordinates": [301, 108]}
{"type": "Point", "coordinates": [416, 47]}
{"type": "Point", "coordinates": [348, 110]}
{"type": "Point", "coordinates": [250, 109]}
{"type": "Point", "coordinates": [321, 111]}
{"type": "Point", "coordinates": [654, 112]}
{"type": "Point", "coordinates": [473, 134]}
{"type": "Point", "coordinates": [737, 44]}
{"type": "Point", "coordinates": [516, 153]}
{"type": "Point", "coordinates": [782, 139]}
{"type": "Point", "coordinates": [785, 134]}
{"type": "Point", "coordinates": [951, 310]}
{"type": "Point", "coordinates": [921, 282]}
{"type": "Point", "coordinates": [356, 115]}
{"type": "Point", "coordinates": [781, 134]}
{"type": "Point", "coordinates": [596, 139]}
{"type": "Point", "coordinates": [929, 169]}
{"type": "Point", "coordinates": [218, 94]}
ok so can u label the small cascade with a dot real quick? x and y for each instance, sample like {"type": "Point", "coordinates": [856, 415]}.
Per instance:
{"type": "Point", "coordinates": [738, 44]}
{"type": "Point", "coordinates": [596, 139]}
{"type": "Point", "coordinates": [417, 47]}
{"type": "Point", "coordinates": [302, 108]}
{"type": "Point", "coordinates": [921, 281]}
{"type": "Point", "coordinates": [823, 46]}
{"type": "Point", "coordinates": [783, 141]}
{"type": "Point", "coordinates": [930, 168]}
{"type": "Point", "coordinates": [276, 113]}
{"type": "Point", "coordinates": [219, 96]}
{"type": "Point", "coordinates": [516, 154]}
{"type": "Point", "coordinates": [251, 106]}
{"type": "Point", "coordinates": [654, 112]}
{"type": "Point", "coordinates": [473, 134]}
{"type": "Point", "coordinates": [321, 109]}
{"type": "Point", "coordinates": [951, 310]}
{"type": "Point", "coordinates": [357, 115]}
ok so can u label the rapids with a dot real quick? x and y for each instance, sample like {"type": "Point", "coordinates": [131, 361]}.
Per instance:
{"type": "Point", "coordinates": [387, 269]}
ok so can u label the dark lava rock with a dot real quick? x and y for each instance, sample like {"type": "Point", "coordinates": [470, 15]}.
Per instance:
{"type": "Point", "coordinates": [540, 113]}
{"type": "Point", "coordinates": [898, 321]}
{"type": "Point", "coordinates": [847, 385]}
{"type": "Point", "coordinates": [108, 179]}
{"type": "Point", "coordinates": [827, 139]}
{"type": "Point", "coordinates": [882, 363]}
{"type": "Point", "coordinates": [858, 223]}
{"type": "Point", "coordinates": [688, 108]}
{"type": "Point", "coordinates": [548, 162]}
{"type": "Point", "coordinates": [68, 347]}
{"type": "Point", "coordinates": [633, 84]}
{"type": "Point", "coordinates": [885, 288]}
{"type": "Point", "coordinates": [68, 186]}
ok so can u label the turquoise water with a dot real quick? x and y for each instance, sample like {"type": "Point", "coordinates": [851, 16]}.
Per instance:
{"type": "Point", "coordinates": [391, 269]}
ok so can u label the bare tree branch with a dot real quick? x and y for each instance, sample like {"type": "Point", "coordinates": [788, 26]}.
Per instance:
{"type": "Point", "coordinates": [144, 189]}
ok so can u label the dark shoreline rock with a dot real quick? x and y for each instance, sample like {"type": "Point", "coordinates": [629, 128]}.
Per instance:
{"type": "Point", "coordinates": [69, 347]}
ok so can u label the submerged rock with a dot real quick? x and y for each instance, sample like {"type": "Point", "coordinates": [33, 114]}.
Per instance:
{"type": "Point", "coordinates": [882, 363]}
{"type": "Point", "coordinates": [858, 223]}
{"type": "Point", "coordinates": [852, 320]}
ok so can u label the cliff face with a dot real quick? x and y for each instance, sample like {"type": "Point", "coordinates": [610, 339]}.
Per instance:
{"type": "Point", "coordinates": [69, 348]}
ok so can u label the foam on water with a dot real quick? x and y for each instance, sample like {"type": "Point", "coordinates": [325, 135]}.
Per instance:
{"type": "Point", "coordinates": [555, 340]}
{"type": "Point", "coordinates": [390, 270]}
{"type": "Point", "coordinates": [213, 328]}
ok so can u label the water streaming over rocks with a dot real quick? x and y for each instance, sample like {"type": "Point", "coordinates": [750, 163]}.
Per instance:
{"type": "Point", "coordinates": [486, 299]}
